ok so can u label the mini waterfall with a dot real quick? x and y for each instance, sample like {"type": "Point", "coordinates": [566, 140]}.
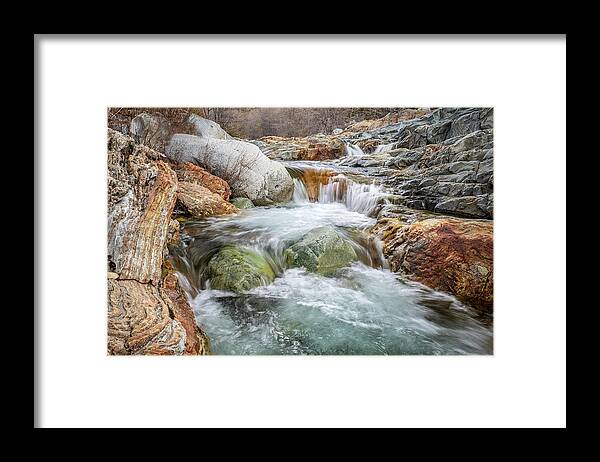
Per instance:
{"type": "Point", "coordinates": [353, 150]}
{"type": "Point", "coordinates": [357, 197]}
{"type": "Point", "coordinates": [384, 148]}
{"type": "Point", "coordinates": [300, 193]}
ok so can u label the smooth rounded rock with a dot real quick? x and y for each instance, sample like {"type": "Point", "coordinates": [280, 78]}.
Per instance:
{"type": "Point", "coordinates": [322, 250]}
{"type": "Point", "coordinates": [248, 171]}
{"type": "Point", "coordinates": [238, 270]}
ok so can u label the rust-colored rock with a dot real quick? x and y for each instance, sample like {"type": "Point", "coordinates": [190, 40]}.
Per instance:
{"type": "Point", "coordinates": [200, 202]}
{"type": "Point", "coordinates": [448, 254]}
{"type": "Point", "coordinates": [190, 173]}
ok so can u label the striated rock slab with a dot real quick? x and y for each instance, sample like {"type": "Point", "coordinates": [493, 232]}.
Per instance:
{"type": "Point", "coordinates": [448, 254]}
{"type": "Point", "coordinates": [191, 173]}
{"type": "Point", "coordinates": [141, 198]}
{"type": "Point", "coordinates": [200, 202]}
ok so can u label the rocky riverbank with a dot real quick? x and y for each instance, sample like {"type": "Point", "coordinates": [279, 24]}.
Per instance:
{"type": "Point", "coordinates": [432, 209]}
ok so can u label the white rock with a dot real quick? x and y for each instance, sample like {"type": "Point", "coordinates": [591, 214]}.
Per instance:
{"type": "Point", "coordinates": [248, 171]}
{"type": "Point", "coordinates": [207, 128]}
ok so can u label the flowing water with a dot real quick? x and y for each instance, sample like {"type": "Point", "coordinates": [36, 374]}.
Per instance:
{"type": "Point", "coordinates": [353, 150]}
{"type": "Point", "coordinates": [362, 309]}
{"type": "Point", "coordinates": [384, 148]}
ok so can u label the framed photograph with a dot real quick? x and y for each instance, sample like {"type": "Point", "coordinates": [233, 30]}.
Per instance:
{"type": "Point", "coordinates": [309, 235]}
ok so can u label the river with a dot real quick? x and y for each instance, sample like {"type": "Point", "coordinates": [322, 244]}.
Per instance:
{"type": "Point", "coordinates": [363, 309]}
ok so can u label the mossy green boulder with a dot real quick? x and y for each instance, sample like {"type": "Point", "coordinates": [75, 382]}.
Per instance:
{"type": "Point", "coordinates": [238, 269]}
{"type": "Point", "coordinates": [242, 202]}
{"type": "Point", "coordinates": [322, 250]}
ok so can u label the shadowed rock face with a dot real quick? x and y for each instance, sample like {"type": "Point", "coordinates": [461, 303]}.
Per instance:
{"type": "Point", "coordinates": [449, 254]}
{"type": "Point", "coordinates": [322, 250]}
{"type": "Point", "coordinates": [246, 169]}
{"type": "Point", "coordinates": [147, 313]}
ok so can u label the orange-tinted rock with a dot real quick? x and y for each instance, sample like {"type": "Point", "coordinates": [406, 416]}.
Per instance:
{"type": "Point", "coordinates": [448, 254]}
{"type": "Point", "coordinates": [200, 202]}
{"type": "Point", "coordinates": [190, 173]}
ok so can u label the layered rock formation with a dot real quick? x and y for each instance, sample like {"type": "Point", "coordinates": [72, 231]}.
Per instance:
{"type": "Point", "coordinates": [448, 254]}
{"type": "Point", "coordinates": [147, 312]}
{"type": "Point", "coordinates": [442, 161]}
{"type": "Point", "coordinates": [142, 190]}
{"type": "Point", "coordinates": [246, 169]}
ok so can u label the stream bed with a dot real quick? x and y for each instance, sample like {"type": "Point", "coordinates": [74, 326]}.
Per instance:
{"type": "Point", "coordinates": [363, 309]}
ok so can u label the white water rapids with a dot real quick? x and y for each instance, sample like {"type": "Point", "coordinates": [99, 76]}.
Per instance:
{"type": "Point", "coordinates": [362, 309]}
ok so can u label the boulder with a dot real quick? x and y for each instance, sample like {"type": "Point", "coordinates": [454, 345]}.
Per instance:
{"type": "Point", "coordinates": [322, 250]}
{"type": "Point", "coordinates": [246, 169]}
{"type": "Point", "coordinates": [448, 254]}
{"type": "Point", "coordinates": [242, 203]}
{"type": "Point", "coordinates": [153, 131]}
{"type": "Point", "coordinates": [200, 202]}
{"type": "Point", "coordinates": [207, 128]}
{"type": "Point", "coordinates": [238, 270]}
{"type": "Point", "coordinates": [191, 173]}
